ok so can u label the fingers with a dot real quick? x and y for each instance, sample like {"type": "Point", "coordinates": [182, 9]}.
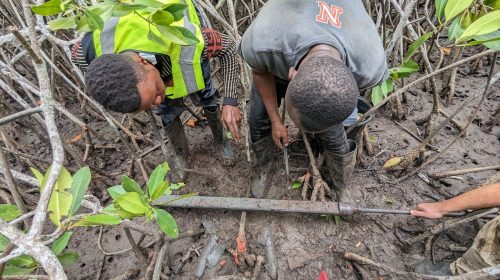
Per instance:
{"type": "Point", "coordinates": [233, 127]}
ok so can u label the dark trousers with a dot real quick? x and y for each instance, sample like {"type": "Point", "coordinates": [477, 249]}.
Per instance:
{"type": "Point", "coordinates": [208, 98]}
{"type": "Point", "coordinates": [333, 139]}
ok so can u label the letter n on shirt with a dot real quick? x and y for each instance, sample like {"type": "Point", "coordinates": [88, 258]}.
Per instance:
{"type": "Point", "coordinates": [329, 14]}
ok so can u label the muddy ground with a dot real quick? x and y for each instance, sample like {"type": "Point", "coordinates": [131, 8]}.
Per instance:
{"type": "Point", "coordinates": [308, 244]}
{"type": "Point", "coordinates": [305, 244]}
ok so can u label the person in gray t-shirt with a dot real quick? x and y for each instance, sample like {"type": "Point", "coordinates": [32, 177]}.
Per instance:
{"type": "Point", "coordinates": [320, 53]}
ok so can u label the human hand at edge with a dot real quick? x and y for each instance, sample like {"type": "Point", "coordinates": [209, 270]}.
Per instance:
{"type": "Point", "coordinates": [280, 134]}
{"type": "Point", "coordinates": [231, 118]}
{"type": "Point", "coordinates": [429, 210]}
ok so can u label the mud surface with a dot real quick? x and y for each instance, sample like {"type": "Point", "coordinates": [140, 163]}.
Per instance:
{"type": "Point", "coordinates": [305, 245]}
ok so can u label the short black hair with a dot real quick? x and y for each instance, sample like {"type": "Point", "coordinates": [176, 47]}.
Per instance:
{"type": "Point", "coordinates": [323, 91]}
{"type": "Point", "coordinates": [111, 80]}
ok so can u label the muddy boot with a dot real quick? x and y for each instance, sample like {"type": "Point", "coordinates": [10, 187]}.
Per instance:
{"type": "Point", "coordinates": [438, 269]}
{"type": "Point", "coordinates": [223, 146]}
{"type": "Point", "coordinates": [265, 167]}
{"type": "Point", "coordinates": [340, 168]}
{"type": "Point", "coordinates": [177, 137]}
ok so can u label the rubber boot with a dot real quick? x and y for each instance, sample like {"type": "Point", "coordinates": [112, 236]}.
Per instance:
{"type": "Point", "coordinates": [223, 146]}
{"type": "Point", "coordinates": [340, 168]}
{"type": "Point", "coordinates": [438, 269]}
{"type": "Point", "coordinates": [177, 137]}
{"type": "Point", "coordinates": [265, 167]}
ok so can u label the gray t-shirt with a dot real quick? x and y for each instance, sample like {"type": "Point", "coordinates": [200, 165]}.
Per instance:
{"type": "Point", "coordinates": [285, 30]}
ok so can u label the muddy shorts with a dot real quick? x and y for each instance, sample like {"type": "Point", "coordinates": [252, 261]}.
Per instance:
{"type": "Point", "coordinates": [207, 97]}
{"type": "Point", "coordinates": [484, 252]}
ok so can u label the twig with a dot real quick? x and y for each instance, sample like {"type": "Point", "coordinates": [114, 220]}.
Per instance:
{"type": "Point", "coordinates": [159, 261]}
{"type": "Point", "coordinates": [14, 191]}
{"type": "Point", "coordinates": [412, 84]}
{"type": "Point", "coordinates": [21, 114]}
{"type": "Point", "coordinates": [450, 224]}
{"type": "Point", "coordinates": [473, 115]}
{"type": "Point", "coordinates": [318, 184]}
{"type": "Point", "coordinates": [407, 275]}
{"type": "Point", "coordinates": [256, 269]}
{"type": "Point", "coordinates": [137, 250]}
{"type": "Point", "coordinates": [463, 171]}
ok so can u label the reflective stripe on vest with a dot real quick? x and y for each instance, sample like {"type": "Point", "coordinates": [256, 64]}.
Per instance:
{"type": "Point", "coordinates": [129, 33]}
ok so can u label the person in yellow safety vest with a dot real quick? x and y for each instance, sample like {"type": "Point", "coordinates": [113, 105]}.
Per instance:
{"type": "Point", "coordinates": [126, 72]}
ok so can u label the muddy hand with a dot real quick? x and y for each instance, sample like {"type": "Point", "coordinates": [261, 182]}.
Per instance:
{"type": "Point", "coordinates": [231, 118]}
{"type": "Point", "coordinates": [280, 134]}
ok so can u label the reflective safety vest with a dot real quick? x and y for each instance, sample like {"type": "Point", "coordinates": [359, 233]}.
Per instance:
{"type": "Point", "coordinates": [130, 33]}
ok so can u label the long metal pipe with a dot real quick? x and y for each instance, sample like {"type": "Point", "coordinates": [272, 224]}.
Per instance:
{"type": "Point", "coordinates": [276, 206]}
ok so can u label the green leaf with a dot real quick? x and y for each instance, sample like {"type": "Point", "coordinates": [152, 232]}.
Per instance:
{"type": "Point", "coordinates": [60, 200]}
{"type": "Point", "coordinates": [166, 222]}
{"type": "Point", "coordinates": [455, 30]}
{"type": "Point", "coordinates": [98, 220]}
{"type": "Point", "coordinates": [116, 191]}
{"type": "Point", "coordinates": [38, 175]}
{"type": "Point", "coordinates": [412, 49]}
{"type": "Point", "coordinates": [79, 186]}
{"type": "Point", "coordinates": [381, 91]}
{"type": "Point", "coordinates": [440, 5]}
{"type": "Point", "coordinates": [179, 198]}
{"type": "Point", "coordinates": [490, 40]}
{"type": "Point", "coordinates": [494, 4]}
{"type": "Point", "coordinates": [62, 23]}
{"type": "Point", "coordinates": [104, 12]}
{"type": "Point", "coordinates": [455, 7]}
{"type": "Point", "coordinates": [95, 21]}
{"type": "Point", "coordinates": [131, 186]}
{"type": "Point", "coordinates": [124, 9]}
{"type": "Point", "coordinates": [149, 3]}
{"type": "Point", "coordinates": [162, 18]}
{"type": "Point", "coordinates": [48, 8]}
{"type": "Point", "coordinates": [402, 71]}
{"type": "Point", "coordinates": [157, 177]}
{"type": "Point", "coordinates": [175, 9]}
{"type": "Point", "coordinates": [82, 25]}
{"type": "Point", "coordinates": [23, 261]}
{"type": "Point", "coordinates": [60, 244]}
{"type": "Point", "coordinates": [110, 209]}
{"type": "Point", "coordinates": [483, 25]}
{"type": "Point", "coordinates": [188, 35]}
{"type": "Point", "coordinates": [296, 185]}
{"type": "Point", "coordinates": [172, 34]}
{"type": "Point", "coordinates": [132, 202]}
{"type": "Point", "coordinates": [155, 38]}
{"type": "Point", "coordinates": [68, 258]}
{"type": "Point", "coordinates": [9, 212]}
{"type": "Point", "coordinates": [14, 270]}
{"type": "Point", "coordinates": [159, 190]}
{"type": "Point", "coordinates": [4, 242]}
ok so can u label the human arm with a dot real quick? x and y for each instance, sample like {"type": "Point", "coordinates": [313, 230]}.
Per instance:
{"type": "Point", "coordinates": [223, 47]}
{"type": "Point", "coordinates": [482, 197]}
{"type": "Point", "coordinates": [266, 86]}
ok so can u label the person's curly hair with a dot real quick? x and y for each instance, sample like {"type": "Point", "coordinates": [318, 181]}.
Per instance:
{"type": "Point", "coordinates": [324, 92]}
{"type": "Point", "coordinates": [111, 80]}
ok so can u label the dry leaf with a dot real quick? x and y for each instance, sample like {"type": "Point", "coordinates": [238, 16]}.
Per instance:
{"type": "Point", "coordinates": [446, 51]}
{"type": "Point", "coordinates": [392, 162]}
{"type": "Point", "coordinates": [191, 122]}
{"type": "Point", "coordinates": [76, 138]}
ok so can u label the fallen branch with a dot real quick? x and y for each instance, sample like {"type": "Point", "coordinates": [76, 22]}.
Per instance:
{"type": "Point", "coordinates": [463, 171]}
